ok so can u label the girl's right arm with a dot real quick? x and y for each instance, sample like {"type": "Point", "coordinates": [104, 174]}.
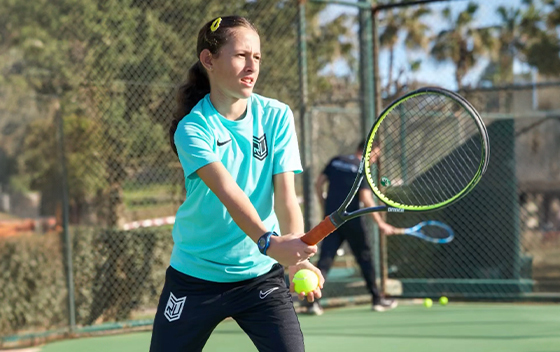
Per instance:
{"type": "Point", "coordinates": [287, 249]}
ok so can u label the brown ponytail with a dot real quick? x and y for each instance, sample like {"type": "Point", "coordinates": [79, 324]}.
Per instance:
{"type": "Point", "coordinates": [197, 84]}
{"type": "Point", "coordinates": [189, 94]}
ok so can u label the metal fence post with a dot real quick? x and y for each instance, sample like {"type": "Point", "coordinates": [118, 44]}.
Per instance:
{"type": "Point", "coordinates": [380, 242]}
{"type": "Point", "coordinates": [65, 207]}
{"type": "Point", "coordinates": [305, 123]}
{"type": "Point", "coordinates": [366, 68]}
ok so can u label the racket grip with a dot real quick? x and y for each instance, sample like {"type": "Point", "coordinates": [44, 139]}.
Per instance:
{"type": "Point", "coordinates": [316, 234]}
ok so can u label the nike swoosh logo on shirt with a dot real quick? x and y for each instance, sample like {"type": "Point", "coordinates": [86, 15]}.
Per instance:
{"type": "Point", "coordinates": [263, 295]}
{"type": "Point", "coordinates": [223, 143]}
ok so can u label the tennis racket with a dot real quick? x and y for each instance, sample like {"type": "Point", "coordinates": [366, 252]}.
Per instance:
{"type": "Point", "coordinates": [434, 149]}
{"type": "Point", "coordinates": [431, 231]}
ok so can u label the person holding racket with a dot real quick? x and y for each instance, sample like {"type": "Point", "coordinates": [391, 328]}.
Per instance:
{"type": "Point", "coordinates": [239, 154]}
{"type": "Point", "coordinates": [433, 148]}
{"type": "Point", "coordinates": [340, 174]}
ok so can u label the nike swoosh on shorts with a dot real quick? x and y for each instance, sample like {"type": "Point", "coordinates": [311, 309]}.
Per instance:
{"type": "Point", "coordinates": [263, 295]}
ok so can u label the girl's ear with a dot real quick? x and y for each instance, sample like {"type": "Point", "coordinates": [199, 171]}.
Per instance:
{"type": "Point", "coordinates": [207, 60]}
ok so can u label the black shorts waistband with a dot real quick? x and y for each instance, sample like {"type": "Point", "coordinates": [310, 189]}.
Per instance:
{"type": "Point", "coordinates": [194, 285]}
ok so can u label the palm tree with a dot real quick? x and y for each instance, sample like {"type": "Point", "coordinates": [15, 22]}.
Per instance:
{"type": "Point", "coordinates": [523, 36]}
{"type": "Point", "coordinates": [518, 30]}
{"type": "Point", "coordinates": [543, 51]}
{"type": "Point", "coordinates": [329, 43]}
{"type": "Point", "coordinates": [463, 44]}
{"type": "Point", "coordinates": [401, 20]}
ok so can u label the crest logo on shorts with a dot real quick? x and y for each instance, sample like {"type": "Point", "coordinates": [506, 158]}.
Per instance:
{"type": "Point", "coordinates": [260, 149]}
{"type": "Point", "coordinates": [174, 307]}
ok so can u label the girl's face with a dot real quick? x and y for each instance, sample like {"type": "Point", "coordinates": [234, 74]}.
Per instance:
{"type": "Point", "coordinates": [236, 69]}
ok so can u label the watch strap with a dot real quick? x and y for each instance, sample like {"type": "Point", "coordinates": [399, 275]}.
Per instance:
{"type": "Point", "coordinates": [264, 241]}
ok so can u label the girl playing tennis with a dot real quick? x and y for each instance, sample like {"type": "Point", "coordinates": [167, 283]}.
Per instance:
{"type": "Point", "coordinates": [239, 154]}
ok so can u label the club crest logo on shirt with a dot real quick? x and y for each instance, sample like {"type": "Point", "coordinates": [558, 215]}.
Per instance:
{"type": "Point", "coordinates": [174, 307]}
{"type": "Point", "coordinates": [260, 148]}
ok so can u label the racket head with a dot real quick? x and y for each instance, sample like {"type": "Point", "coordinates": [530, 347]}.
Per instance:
{"type": "Point", "coordinates": [432, 231]}
{"type": "Point", "coordinates": [433, 149]}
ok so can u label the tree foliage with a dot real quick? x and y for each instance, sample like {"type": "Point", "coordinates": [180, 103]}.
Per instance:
{"type": "Point", "coordinates": [464, 43]}
{"type": "Point", "coordinates": [113, 67]}
{"type": "Point", "coordinates": [410, 23]}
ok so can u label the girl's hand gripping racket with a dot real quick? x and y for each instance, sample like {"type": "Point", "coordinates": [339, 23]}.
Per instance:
{"type": "Point", "coordinates": [431, 231]}
{"type": "Point", "coordinates": [434, 149]}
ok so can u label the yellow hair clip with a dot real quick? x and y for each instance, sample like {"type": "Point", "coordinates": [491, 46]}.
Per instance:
{"type": "Point", "coordinates": [216, 24]}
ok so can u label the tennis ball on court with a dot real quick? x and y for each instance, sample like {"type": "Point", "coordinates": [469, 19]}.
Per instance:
{"type": "Point", "coordinates": [428, 302]}
{"type": "Point", "coordinates": [306, 281]}
{"type": "Point", "coordinates": [443, 300]}
{"type": "Point", "coordinates": [385, 182]}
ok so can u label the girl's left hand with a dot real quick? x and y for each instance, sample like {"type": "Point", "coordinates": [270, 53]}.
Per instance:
{"type": "Point", "coordinates": [316, 294]}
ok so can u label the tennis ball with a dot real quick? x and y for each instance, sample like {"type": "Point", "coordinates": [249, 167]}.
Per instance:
{"type": "Point", "coordinates": [306, 281]}
{"type": "Point", "coordinates": [443, 300]}
{"type": "Point", "coordinates": [428, 302]}
{"type": "Point", "coordinates": [385, 182]}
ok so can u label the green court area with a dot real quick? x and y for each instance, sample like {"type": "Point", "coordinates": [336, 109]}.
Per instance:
{"type": "Point", "coordinates": [456, 327]}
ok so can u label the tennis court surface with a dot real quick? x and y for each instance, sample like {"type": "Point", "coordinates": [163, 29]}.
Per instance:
{"type": "Point", "coordinates": [456, 327]}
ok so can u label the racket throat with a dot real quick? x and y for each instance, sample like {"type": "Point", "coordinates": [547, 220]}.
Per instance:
{"type": "Point", "coordinates": [336, 219]}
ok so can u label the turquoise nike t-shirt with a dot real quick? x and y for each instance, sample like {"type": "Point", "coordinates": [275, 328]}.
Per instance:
{"type": "Point", "coordinates": [208, 244]}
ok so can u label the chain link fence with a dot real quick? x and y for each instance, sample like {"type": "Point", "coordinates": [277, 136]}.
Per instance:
{"type": "Point", "coordinates": [501, 57]}
{"type": "Point", "coordinates": [103, 76]}
{"type": "Point", "coordinates": [87, 92]}
{"type": "Point", "coordinates": [507, 228]}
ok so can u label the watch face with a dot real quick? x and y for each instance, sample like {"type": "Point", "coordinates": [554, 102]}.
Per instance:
{"type": "Point", "coordinates": [261, 242]}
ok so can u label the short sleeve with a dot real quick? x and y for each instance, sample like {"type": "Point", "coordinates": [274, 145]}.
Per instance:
{"type": "Point", "coordinates": [286, 150]}
{"type": "Point", "coordinates": [327, 170]}
{"type": "Point", "coordinates": [373, 170]}
{"type": "Point", "coordinates": [364, 184]}
{"type": "Point", "coordinates": [194, 146]}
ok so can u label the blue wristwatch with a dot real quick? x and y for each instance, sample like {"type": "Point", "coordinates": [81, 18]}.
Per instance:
{"type": "Point", "coordinates": [264, 241]}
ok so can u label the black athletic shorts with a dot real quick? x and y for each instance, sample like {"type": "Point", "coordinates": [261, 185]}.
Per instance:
{"type": "Point", "coordinates": [189, 309]}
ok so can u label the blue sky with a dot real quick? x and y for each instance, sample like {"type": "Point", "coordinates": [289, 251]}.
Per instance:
{"type": "Point", "coordinates": [431, 72]}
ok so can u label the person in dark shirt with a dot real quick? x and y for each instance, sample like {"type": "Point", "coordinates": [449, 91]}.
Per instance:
{"type": "Point", "coordinates": [340, 174]}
